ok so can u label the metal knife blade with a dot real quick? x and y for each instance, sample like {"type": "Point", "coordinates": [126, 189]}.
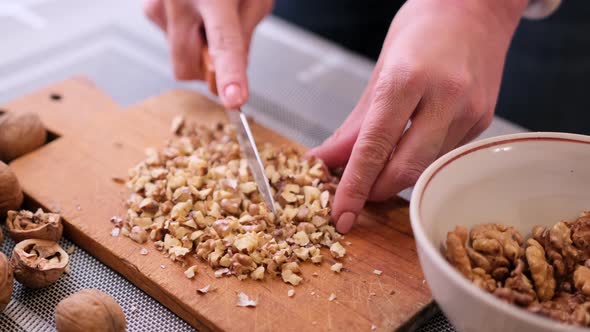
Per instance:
{"type": "Point", "coordinates": [249, 149]}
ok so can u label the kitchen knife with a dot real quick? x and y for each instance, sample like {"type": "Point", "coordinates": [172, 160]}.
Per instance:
{"type": "Point", "coordinates": [245, 138]}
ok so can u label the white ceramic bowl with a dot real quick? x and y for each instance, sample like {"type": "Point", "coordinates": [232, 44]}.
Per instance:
{"type": "Point", "coordinates": [522, 180]}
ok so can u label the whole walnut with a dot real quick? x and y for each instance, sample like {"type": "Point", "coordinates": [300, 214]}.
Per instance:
{"type": "Point", "coordinates": [20, 133]}
{"type": "Point", "coordinates": [38, 263]}
{"type": "Point", "coordinates": [11, 195]}
{"type": "Point", "coordinates": [6, 281]}
{"type": "Point", "coordinates": [89, 310]}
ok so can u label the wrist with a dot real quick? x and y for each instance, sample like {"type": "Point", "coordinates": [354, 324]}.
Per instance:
{"type": "Point", "coordinates": [506, 13]}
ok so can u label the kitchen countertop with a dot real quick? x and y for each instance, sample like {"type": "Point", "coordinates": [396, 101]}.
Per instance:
{"type": "Point", "coordinates": [112, 43]}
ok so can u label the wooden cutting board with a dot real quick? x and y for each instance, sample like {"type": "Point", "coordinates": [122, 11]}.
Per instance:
{"type": "Point", "coordinates": [95, 140]}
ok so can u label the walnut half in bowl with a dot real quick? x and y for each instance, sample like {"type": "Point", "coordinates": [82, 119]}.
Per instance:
{"type": "Point", "coordinates": [38, 263]}
{"type": "Point", "coordinates": [25, 224]}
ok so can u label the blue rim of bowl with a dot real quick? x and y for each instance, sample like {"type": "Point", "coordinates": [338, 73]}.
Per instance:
{"type": "Point", "coordinates": [437, 257]}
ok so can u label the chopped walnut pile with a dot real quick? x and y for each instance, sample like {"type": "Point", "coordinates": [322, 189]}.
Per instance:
{"type": "Point", "coordinates": [197, 199]}
{"type": "Point", "coordinates": [548, 274]}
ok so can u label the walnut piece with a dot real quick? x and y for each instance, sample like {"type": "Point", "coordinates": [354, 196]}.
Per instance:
{"type": "Point", "coordinates": [337, 267]}
{"type": "Point", "coordinates": [38, 263]}
{"type": "Point", "coordinates": [582, 279]}
{"type": "Point", "coordinates": [518, 289]}
{"type": "Point", "coordinates": [559, 248]}
{"type": "Point", "coordinates": [496, 248]}
{"type": "Point", "coordinates": [24, 225]}
{"type": "Point", "coordinates": [89, 310]}
{"type": "Point", "coordinates": [337, 250]}
{"type": "Point", "coordinates": [6, 281]}
{"type": "Point", "coordinates": [244, 301]}
{"type": "Point", "coordinates": [456, 252]}
{"type": "Point", "coordinates": [197, 197]}
{"type": "Point", "coordinates": [541, 271]}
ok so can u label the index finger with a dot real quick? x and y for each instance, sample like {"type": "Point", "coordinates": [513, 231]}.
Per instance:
{"type": "Point", "coordinates": [397, 94]}
{"type": "Point", "coordinates": [227, 50]}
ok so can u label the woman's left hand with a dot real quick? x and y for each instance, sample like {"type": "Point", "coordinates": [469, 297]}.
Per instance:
{"type": "Point", "coordinates": [440, 68]}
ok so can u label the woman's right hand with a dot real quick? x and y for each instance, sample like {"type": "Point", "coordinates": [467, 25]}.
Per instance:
{"type": "Point", "coordinates": [228, 25]}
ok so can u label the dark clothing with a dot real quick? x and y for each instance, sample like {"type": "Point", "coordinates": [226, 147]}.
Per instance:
{"type": "Point", "coordinates": [546, 79]}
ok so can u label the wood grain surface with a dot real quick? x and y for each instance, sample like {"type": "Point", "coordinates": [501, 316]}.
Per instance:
{"type": "Point", "coordinates": [97, 140]}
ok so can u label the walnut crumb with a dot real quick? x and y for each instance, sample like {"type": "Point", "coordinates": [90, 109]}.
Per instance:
{"type": "Point", "coordinates": [332, 297]}
{"type": "Point", "coordinates": [191, 272]}
{"type": "Point", "coordinates": [337, 250]}
{"type": "Point", "coordinates": [115, 232]}
{"type": "Point", "coordinates": [337, 267]}
{"type": "Point", "coordinates": [377, 272]}
{"type": "Point", "coordinates": [143, 251]}
{"type": "Point", "coordinates": [71, 250]}
{"type": "Point", "coordinates": [204, 290]}
{"type": "Point", "coordinates": [244, 301]}
{"type": "Point", "coordinates": [290, 292]}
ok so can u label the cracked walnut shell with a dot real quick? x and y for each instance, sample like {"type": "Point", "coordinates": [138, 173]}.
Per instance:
{"type": "Point", "coordinates": [24, 225]}
{"type": "Point", "coordinates": [6, 281]}
{"type": "Point", "coordinates": [38, 263]}
{"type": "Point", "coordinates": [89, 310]}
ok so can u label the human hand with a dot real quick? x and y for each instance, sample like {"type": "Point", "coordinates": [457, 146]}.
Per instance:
{"type": "Point", "coordinates": [228, 25]}
{"type": "Point", "coordinates": [440, 68]}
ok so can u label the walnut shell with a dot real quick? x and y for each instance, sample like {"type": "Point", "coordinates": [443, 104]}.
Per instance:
{"type": "Point", "coordinates": [39, 225]}
{"type": "Point", "coordinates": [20, 133]}
{"type": "Point", "coordinates": [89, 310]}
{"type": "Point", "coordinates": [6, 281]}
{"type": "Point", "coordinates": [11, 195]}
{"type": "Point", "coordinates": [38, 263]}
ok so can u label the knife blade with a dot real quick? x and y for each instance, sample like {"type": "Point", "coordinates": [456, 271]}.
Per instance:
{"type": "Point", "coordinates": [245, 138]}
{"type": "Point", "coordinates": [248, 146]}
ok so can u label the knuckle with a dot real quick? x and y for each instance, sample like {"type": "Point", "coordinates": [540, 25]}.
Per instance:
{"type": "Point", "coordinates": [407, 77]}
{"type": "Point", "coordinates": [354, 186]}
{"type": "Point", "coordinates": [374, 147]}
{"type": "Point", "coordinates": [407, 174]}
{"type": "Point", "coordinates": [456, 86]}
{"type": "Point", "coordinates": [224, 40]}
{"type": "Point", "coordinates": [410, 76]}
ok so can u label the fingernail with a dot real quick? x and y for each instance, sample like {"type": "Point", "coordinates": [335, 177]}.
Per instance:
{"type": "Point", "coordinates": [233, 94]}
{"type": "Point", "coordinates": [345, 222]}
